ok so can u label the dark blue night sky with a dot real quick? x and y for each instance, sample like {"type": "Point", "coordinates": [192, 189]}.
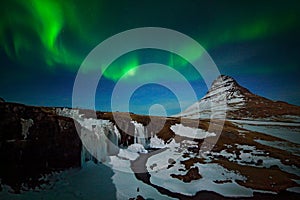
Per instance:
{"type": "Point", "coordinates": [43, 43]}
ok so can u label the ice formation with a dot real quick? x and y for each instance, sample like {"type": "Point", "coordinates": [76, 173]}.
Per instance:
{"type": "Point", "coordinates": [99, 137]}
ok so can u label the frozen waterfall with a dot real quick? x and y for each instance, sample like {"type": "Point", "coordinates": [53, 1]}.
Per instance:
{"type": "Point", "coordinates": [141, 134]}
{"type": "Point", "coordinates": [100, 138]}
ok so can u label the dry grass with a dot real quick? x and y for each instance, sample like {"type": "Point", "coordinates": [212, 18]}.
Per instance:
{"type": "Point", "coordinates": [190, 162]}
{"type": "Point", "coordinates": [260, 107]}
{"type": "Point", "coordinates": [272, 179]}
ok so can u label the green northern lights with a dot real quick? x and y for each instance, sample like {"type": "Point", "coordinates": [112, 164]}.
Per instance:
{"type": "Point", "coordinates": [28, 26]}
{"type": "Point", "coordinates": [121, 66]}
{"type": "Point", "coordinates": [44, 42]}
{"type": "Point", "coordinates": [47, 26]}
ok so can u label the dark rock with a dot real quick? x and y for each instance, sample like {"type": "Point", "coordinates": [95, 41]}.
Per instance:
{"type": "Point", "coordinates": [192, 174]}
{"type": "Point", "coordinates": [274, 167]}
{"type": "Point", "coordinates": [259, 162]}
{"type": "Point", "coordinates": [222, 181]}
{"type": "Point", "coordinates": [193, 149]}
{"type": "Point", "coordinates": [171, 161]}
{"type": "Point", "coordinates": [186, 155]}
{"type": "Point", "coordinates": [2, 100]}
{"type": "Point", "coordinates": [139, 197]}
{"type": "Point", "coordinates": [190, 162]}
{"type": "Point", "coordinates": [34, 141]}
{"type": "Point", "coordinates": [152, 166]}
{"type": "Point", "coordinates": [169, 166]}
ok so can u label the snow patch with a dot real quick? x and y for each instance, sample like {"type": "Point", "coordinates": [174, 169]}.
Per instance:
{"type": "Point", "coordinates": [250, 156]}
{"type": "Point", "coordinates": [157, 143]}
{"type": "Point", "coordinates": [127, 185]}
{"type": "Point", "coordinates": [189, 132]}
{"type": "Point", "coordinates": [137, 148]}
{"type": "Point", "coordinates": [162, 165]}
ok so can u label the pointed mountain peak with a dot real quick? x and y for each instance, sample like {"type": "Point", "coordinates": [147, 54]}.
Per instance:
{"type": "Point", "coordinates": [241, 103]}
{"type": "Point", "coordinates": [227, 84]}
{"type": "Point", "coordinates": [222, 81]}
{"type": "Point", "coordinates": [224, 78]}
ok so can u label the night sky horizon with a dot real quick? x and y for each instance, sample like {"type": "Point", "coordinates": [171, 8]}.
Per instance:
{"type": "Point", "coordinates": [43, 43]}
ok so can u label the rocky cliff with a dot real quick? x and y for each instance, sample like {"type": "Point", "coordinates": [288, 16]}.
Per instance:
{"type": "Point", "coordinates": [33, 141]}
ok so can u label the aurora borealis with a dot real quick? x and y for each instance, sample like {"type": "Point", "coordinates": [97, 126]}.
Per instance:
{"type": "Point", "coordinates": [43, 43]}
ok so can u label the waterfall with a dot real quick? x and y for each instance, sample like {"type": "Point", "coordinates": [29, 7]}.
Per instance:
{"type": "Point", "coordinates": [140, 134]}
{"type": "Point", "coordinates": [100, 138]}
{"type": "Point", "coordinates": [113, 137]}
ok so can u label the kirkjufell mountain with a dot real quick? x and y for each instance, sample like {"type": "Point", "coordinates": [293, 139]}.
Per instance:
{"type": "Point", "coordinates": [227, 96]}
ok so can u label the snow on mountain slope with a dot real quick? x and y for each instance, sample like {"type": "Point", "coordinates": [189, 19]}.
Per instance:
{"type": "Point", "coordinates": [226, 96]}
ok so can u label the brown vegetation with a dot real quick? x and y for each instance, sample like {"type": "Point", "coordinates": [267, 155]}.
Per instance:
{"type": "Point", "coordinates": [272, 179]}
{"type": "Point", "coordinates": [192, 174]}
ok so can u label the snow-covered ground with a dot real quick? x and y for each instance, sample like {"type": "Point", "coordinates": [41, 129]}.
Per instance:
{"type": "Point", "coordinates": [211, 173]}
{"type": "Point", "coordinates": [126, 184]}
{"type": "Point", "coordinates": [214, 177]}
{"type": "Point", "coordinates": [250, 156]}
{"type": "Point", "coordinates": [137, 148]}
{"type": "Point", "coordinates": [189, 132]}
{"type": "Point", "coordinates": [156, 142]}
